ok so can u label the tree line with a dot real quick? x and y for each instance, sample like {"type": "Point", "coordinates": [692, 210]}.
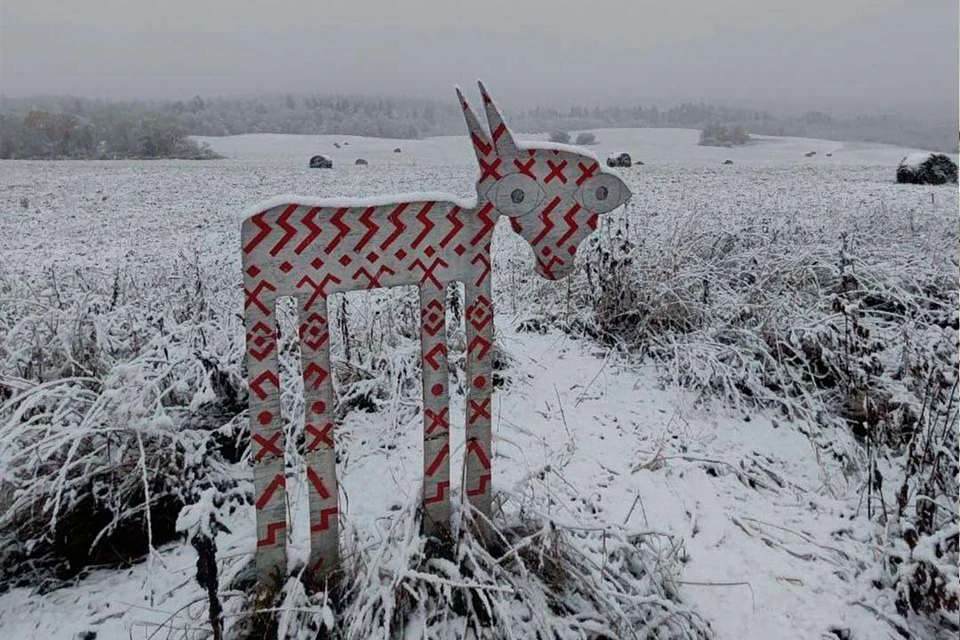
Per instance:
{"type": "Point", "coordinates": [76, 128]}
{"type": "Point", "coordinates": [70, 127]}
{"type": "Point", "coordinates": [718, 135]}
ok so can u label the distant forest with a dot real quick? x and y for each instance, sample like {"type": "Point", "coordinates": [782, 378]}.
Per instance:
{"type": "Point", "coordinates": [70, 127]}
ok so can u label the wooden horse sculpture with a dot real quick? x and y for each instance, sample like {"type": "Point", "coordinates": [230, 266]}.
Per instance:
{"type": "Point", "coordinates": [309, 249]}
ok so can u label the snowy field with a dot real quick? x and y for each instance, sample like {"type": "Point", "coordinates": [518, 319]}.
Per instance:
{"type": "Point", "coordinates": [776, 542]}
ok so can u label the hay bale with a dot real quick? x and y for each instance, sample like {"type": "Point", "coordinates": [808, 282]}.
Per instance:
{"type": "Point", "coordinates": [927, 168]}
{"type": "Point", "coordinates": [621, 159]}
{"type": "Point", "coordinates": [321, 162]}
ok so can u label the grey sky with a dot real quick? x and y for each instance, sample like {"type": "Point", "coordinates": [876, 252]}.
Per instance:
{"type": "Point", "coordinates": [842, 55]}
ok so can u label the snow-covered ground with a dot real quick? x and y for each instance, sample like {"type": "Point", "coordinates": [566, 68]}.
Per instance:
{"type": "Point", "coordinates": [763, 563]}
{"type": "Point", "coordinates": [774, 543]}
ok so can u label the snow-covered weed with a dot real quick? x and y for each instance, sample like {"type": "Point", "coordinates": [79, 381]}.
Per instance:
{"type": "Point", "coordinates": [119, 390]}
{"type": "Point", "coordinates": [117, 396]}
{"type": "Point", "coordinates": [790, 314]}
{"type": "Point", "coordinates": [524, 575]}
{"type": "Point", "coordinates": [921, 537]}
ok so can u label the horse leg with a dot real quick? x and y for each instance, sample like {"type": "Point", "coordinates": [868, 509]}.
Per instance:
{"type": "Point", "coordinates": [266, 433]}
{"type": "Point", "coordinates": [436, 412]}
{"type": "Point", "coordinates": [320, 455]}
{"type": "Point", "coordinates": [479, 331]}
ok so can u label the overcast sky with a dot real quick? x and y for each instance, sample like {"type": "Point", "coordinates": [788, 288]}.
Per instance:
{"type": "Point", "coordinates": [840, 55]}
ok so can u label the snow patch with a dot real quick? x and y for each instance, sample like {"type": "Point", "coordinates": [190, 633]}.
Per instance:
{"type": "Point", "coordinates": [914, 160]}
{"type": "Point", "coordinates": [557, 146]}
{"type": "Point", "coordinates": [374, 201]}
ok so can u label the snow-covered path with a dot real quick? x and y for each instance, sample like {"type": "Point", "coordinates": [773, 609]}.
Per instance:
{"type": "Point", "coordinates": [771, 560]}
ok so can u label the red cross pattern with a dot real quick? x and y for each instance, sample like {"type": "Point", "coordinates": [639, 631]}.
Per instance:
{"type": "Point", "coordinates": [479, 410]}
{"type": "Point", "coordinates": [556, 171]}
{"type": "Point", "coordinates": [319, 436]}
{"type": "Point", "coordinates": [526, 168]}
{"type": "Point", "coordinates": [586, 172]}
{"type": "Point", "coordinates": [437, 420]}
{"type": "Point", "coordinates": [319, 288]}
{"type": "Point", "coordinates": [268, 445]}
{"type": "Point", "coordinates": [489, 169]}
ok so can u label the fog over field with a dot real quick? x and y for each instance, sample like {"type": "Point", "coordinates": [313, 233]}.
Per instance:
{"type": "Point", "coordinates": [855, 58]}
{"type": "Point", "coordinates": [862, 55]}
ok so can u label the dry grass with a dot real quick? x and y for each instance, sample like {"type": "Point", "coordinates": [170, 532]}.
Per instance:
{"type": "Point", "coordinates": [523, 577]}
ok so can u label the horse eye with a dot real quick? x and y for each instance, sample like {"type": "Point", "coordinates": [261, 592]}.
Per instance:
{"type": "Point", "coordinates": [601, 193]}
{"type": "Point", "coordinates": [515, 194]}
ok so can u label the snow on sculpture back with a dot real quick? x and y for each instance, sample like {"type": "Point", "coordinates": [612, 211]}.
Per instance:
{"type": "Point", "coordinates": [309, 249]}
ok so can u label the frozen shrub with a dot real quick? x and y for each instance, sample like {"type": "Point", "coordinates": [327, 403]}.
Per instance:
{"type": "Point", "coordinates": [718, 135]}
{"type": "Point", "coordinates": [122, 399]}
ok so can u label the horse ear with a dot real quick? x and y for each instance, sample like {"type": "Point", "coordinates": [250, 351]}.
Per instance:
{"type": "Point", "coordinates": [478, 137]}
{"type": "Point", "coordinates": [502, 138]}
